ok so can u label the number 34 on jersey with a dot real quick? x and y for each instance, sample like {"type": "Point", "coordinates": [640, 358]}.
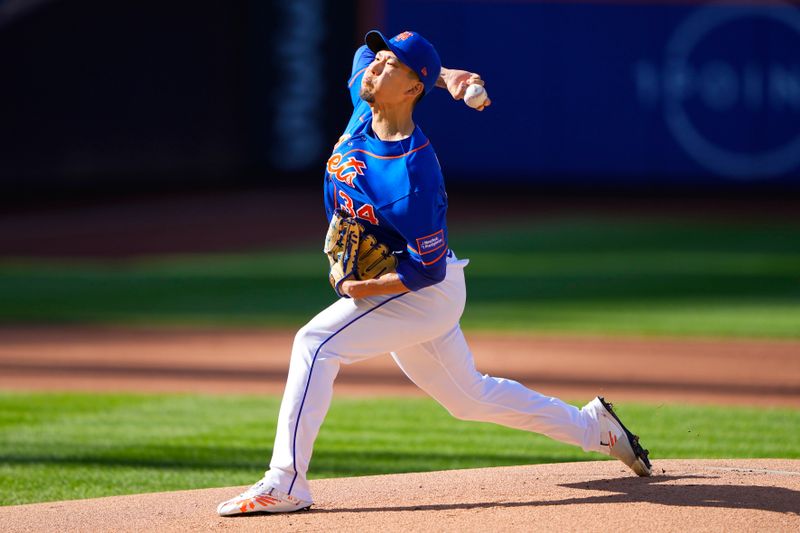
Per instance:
{"type": "Point", "coordinates": [346, 171]}
{"type": "Point", "coordinates": [366, 211]}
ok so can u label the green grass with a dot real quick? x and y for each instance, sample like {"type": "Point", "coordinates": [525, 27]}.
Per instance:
{"type": "Point", "coordinates": [606, 276]}
{"type": "Point", "coordinates": [65, 446]}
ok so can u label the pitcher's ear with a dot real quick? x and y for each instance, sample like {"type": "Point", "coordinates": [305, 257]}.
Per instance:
{"type": "Point", "coordinates": [416, 89]}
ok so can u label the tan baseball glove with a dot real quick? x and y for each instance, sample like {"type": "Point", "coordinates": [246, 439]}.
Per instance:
{"type": "Point", "coordinates": [353, 254]}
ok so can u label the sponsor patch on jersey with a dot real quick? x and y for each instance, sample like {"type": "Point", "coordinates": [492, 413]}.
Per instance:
{"type": "Point", "coordinates": [431, 243]}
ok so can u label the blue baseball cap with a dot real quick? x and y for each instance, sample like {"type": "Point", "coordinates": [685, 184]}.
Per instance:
{"type": "Point", "coordinates": [413, 50]}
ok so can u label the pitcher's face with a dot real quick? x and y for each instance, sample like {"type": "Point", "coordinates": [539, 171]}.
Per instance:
{"type": "Point", "coordinates": [389, 81]}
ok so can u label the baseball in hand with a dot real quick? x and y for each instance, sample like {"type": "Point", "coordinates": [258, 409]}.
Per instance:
{"type": "Point", "coordinates": [475, 96]}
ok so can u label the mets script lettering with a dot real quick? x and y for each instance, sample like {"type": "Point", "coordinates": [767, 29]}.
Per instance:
{"type": "Point", "coordinates": [345, 171]}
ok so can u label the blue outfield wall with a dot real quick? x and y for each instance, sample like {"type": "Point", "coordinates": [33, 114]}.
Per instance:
{"type": "Point", "coordinates": [650, 93]}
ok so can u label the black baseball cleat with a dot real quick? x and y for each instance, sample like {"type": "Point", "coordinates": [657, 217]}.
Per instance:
{"type": "Point", "coordinates": [617, 441]}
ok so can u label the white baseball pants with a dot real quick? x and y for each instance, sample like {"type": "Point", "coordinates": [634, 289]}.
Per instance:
{"type": "Point", "coordinates": [420, 329]}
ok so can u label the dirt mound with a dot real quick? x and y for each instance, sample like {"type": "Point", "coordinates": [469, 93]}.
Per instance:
{"type": "Point", "coordinates": [685, 495]}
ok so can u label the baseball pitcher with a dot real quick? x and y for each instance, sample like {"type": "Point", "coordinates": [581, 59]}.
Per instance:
{"type": "Point", "coordinates": [401, 288]}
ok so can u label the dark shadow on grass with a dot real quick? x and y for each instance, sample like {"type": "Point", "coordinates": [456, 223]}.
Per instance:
{"type": "Point", "coordinates": [325, 463]}
{"type": "Point", "coordinates": [641, 490]}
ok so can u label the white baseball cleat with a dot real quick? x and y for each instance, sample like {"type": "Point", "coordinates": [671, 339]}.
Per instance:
{"type": "Point", "coordinates": [618, 441]}
{"type": "Point", "coordinates": [261, 498]}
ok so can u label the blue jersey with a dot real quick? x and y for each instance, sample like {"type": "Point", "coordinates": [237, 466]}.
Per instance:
{"type": "Point", "coordinates": [395, 189]}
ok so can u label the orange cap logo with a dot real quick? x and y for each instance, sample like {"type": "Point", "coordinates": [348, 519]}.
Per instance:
{"type": "Point", "coordinates": [403, 36]}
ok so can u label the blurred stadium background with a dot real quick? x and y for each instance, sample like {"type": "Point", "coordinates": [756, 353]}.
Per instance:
{"type": "Point", "coordinates": [638, 173]}
{"type": "Point", "coordinates": [637, 153]}
{"type": "Point", "coordinates": [130, 97]}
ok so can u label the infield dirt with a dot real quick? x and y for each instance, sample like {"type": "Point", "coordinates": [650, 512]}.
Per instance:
{"type": "Point", "coordinates": [747, 372]}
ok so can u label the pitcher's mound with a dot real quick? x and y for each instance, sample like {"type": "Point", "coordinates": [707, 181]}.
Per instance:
{"type": "Point", "coordinates": [694, 495]}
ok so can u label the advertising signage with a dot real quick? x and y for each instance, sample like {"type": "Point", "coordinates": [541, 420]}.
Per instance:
{"type": "Point", "coordinates": [667, 92]}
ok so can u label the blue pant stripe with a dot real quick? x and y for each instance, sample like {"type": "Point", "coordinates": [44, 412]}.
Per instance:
{"type": "Point", "coordinates": [308, 381]}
